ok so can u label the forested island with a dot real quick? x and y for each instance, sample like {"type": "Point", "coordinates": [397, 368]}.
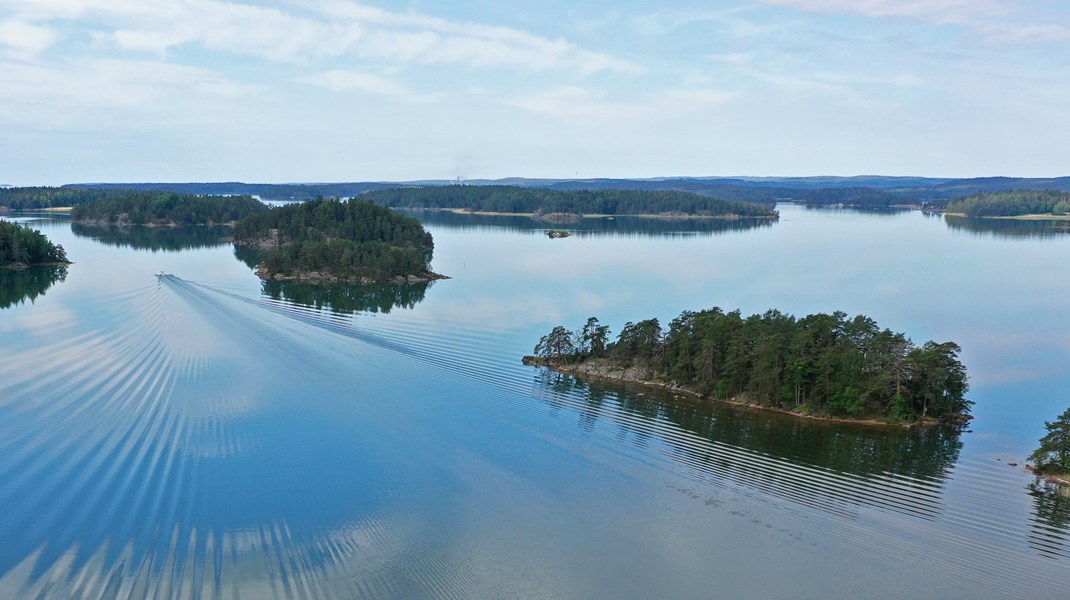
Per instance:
{"type": "Point", "coordinates": [28, 198]}
{"type": "Point", "coordinates": [22, 247]}
{"type": "Point", "coordinates": [543, 203]}
{"type": "Point", "coordinates": [1051, 459]}
{"type": "Point", "coordinates": [1015, 203]}
{"type": "Point", "coordinates": [165, 209]}
{"type": "Point", "coordinates": [820, 365]}
{"type": "Point", "coordinates": [330, 241]}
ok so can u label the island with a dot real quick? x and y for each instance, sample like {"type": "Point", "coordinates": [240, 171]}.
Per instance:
{"type": "Point", "coordinates": [1019, 204]}
{"type": "Point", "coordinates": [564, 206]}
{"type": "Point", "coordinates": [1051, 459]}
{"type": "Point", "coordinates": [819, 366]}
{"type": "Point", "coordinates": [22, 247]}
{"type": "Point", "coordinates": [164, 209]}
{"type": "Point", "coordinates": [335, 241]}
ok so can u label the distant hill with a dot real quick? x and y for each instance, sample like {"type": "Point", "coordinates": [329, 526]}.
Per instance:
{"type": "Point", "coordinates": [869, 191]}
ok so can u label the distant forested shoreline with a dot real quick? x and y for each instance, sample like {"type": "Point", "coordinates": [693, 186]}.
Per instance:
{"type": "Point", "coordinates": [523, 200]}
{"type": "Point", "coordinates": [165, 209]}
{"type": "Point", "coordinates": [820, 365]}
{"type": "Point", "coordinates": [1012, 203]}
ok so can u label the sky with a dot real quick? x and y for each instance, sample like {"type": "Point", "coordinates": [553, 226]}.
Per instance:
{"type": "Point", "coordinates": [336, 90]}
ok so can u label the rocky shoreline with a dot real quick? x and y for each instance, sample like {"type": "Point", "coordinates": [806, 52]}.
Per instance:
{"type": "Point", "coordinates": [600, 369]}
{"type": "Point", "coordinates": [323, 277]}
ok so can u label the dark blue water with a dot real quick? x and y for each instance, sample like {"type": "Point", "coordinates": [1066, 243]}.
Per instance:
{"type": "Point", "coordinates": [201, 435]}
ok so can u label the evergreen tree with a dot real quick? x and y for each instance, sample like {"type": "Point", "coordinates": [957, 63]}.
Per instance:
{"type": "Point", "coordinates": [1053, 455]}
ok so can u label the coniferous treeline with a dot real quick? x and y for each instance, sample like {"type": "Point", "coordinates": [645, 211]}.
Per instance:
{"type": "Point", "coordinates": [166, 208]}
{"type": "Point", "coordinates": [352, 240]}
{"type": "Point", "coordinates": [24, 198]}
{"type": "Point", "coordinates": [1012, 203]}
{"type": "Point", "coordinates": [510, 199]}
{"type": "Point", "coordinates": [820, 364]}
{"type": "Point", "coordinates": [20, 245]}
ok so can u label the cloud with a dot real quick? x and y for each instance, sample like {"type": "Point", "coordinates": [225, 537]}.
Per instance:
{"type": "Point", "coordinates": [324, 30]}
{"type": "Point", "coordinates": [24, 39]}
{"type": "Point", "coordinates": [108, 93]}
{"type": "Point", "coordinates": [577, 104]}
{"type": "Point", "coordinates": [338, 80]}
{"type": "Point", "coordinates": [996, 20]}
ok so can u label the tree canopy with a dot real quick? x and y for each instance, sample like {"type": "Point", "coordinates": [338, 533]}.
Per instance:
{"type": "Point", "coordinates": [1012, 203]}
{"type": "Point", "coordinates": [824, 364]}
{"type": "Point", "coordinates": [166, 208]}
{"type": "Point", "coordinates": [350, 241]}
{"type": "Point", "coordinates": [20, 245]}
{"type": "Point", "coordinates": [1053, 455]}
{"type": "Point", "coordinates": [512, 199]}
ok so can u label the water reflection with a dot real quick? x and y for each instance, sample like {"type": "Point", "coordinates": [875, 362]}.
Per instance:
{"type": "Point", "coordinates": [923, 456]}
{"type": "Point", "coordinates": [1050, 533]}
{"type": "Point", "coordinates": [156, 239]}
{"type": "Point", "coordinates": [19, 286]}
{"type": "Point", "coordinates": [345, 298]}
{"type": "Point", "coordinates": [619, 226]}
{"type": "Point", "coordinates": [339, 297]}
{"type": "Point", "coordinates": [1008, 227]}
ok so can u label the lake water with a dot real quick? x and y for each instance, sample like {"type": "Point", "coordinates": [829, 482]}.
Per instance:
{"type": "Point", "coordinates": [202, 435]}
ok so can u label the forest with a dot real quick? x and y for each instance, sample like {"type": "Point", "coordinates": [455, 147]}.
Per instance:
{"type": "Point", "coordinates": [22, 246]}
{"type": "Point", "coordinates": [1012, 203]}
{"type": "Point", "coordinates": [820, 364]}
{"type": "Point", "coordinates": [165, 208]}
{"type": "Point", "coordinates": [349, 241]}
{"type": "Point", "coordinates": [511, 199]}
{"type": "Point", "coordinates": [24, 198]}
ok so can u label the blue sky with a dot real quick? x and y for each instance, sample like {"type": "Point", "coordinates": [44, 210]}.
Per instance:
{"type": "Point", "coordinates": [334, 90]}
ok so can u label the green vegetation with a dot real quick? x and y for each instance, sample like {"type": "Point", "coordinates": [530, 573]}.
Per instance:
{"type": "Point", "coordinates": [24, 198]}
{"type": "Point", "coordinates": [1053, 455]}
{"type": "Point", "coordinates": [331, 240]}
{"type": "Point", "coordinates": [509, 199]}
{"type": "Point", "coordinates": [24, 247]}
{"type": "Point", "coordinates": [1012, 203]}
{"type": "Point", "coordinates": [166, 208]}
{"type": "Point", "coordinates": [821, 364]}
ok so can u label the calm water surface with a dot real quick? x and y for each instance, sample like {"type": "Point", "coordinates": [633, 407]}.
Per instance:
{"type": "Point", "coordinates": [202, 435]}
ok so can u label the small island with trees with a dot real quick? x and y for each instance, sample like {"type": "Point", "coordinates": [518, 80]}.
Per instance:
{"type": "Point", "coordinates": [334, 241]}
{"type": "Point", "coordinates": [1051, 459]}
{"type": "Point", "coordinates": [818, 366]}
{"type": "Point", "coordinates": [22, 247]}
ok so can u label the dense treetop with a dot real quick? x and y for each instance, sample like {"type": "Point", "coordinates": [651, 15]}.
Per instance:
{"type": "Point", "coordinates": [820, 364]}
{"type": "Point", "coordinates": [1053, 454]}
{"type": "Point", "coordinates": [166, 208]}
{"type": "Point", "coordinates": [510, 199]}
{"type": "Point", "coordinates": [1012, 203]}
{"type": "Point", "coordinates": [320, 220]}
{"type": "Point", "coordinates": [349, 241]}
{"type": "Point", "coordinates": [21, 198]}
{"type": "Point", "coordinates": [20, 245]}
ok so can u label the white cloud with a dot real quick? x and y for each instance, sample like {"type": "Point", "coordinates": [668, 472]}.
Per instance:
{"type": "Point", "coordinates": [329, 29]}
{"type": "Point", "coordinates": [103, 94]}
{"type": "Point", "coordinates": [24, 39]}
{"type": "Point", "coordinates": [578, 104]}
{"type": "Point", "coordinates": [996, 20]}
{"type": "Point", "coordinates": [344, 81]}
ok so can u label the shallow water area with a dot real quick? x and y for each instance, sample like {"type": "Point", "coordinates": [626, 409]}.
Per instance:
{"type": "Point", "coordinates": [202, 434]}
